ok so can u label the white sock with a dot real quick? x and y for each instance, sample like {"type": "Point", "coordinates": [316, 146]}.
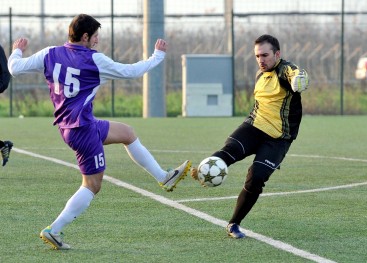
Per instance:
{"type": "Point", "coordinates": [73, 208]}
{"type": "Point", "coordinates": [141, 156]}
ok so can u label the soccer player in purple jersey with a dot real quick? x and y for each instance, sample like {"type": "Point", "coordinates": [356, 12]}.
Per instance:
{"type": "Point", "coordinates": [74, 72]}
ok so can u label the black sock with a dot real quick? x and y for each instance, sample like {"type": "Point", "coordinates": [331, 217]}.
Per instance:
{"type": "Point", "coordinates": [245, 202]}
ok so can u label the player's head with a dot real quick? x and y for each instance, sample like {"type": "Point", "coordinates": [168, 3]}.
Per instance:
{"type": "Point", "coordinates": [267, 52]}
{"type": "Point", "coordinates": [83, 26]}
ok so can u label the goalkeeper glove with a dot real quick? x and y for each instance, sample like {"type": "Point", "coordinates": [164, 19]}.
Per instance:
{"type": "Point", "coordinates": [300, 82]}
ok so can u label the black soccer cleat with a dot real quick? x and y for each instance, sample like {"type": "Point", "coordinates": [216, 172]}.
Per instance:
{"type": "Point", "coordinates": [5, 151]}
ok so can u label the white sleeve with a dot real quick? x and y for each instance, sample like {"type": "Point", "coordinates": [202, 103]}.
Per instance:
{"type": "Point", "coordinates": [33, 64]}
{"type": "Point", "coordinates": [109, 69]}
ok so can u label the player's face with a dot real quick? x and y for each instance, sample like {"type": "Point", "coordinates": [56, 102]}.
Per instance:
{"type": "Point", "coordinates": [265, 56]}
{"type": "Point", "coordinates": [93, 40]}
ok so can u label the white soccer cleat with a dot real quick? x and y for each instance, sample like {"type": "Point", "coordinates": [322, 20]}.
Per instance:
{"type": "Point", "coordinates": [174, 176]}
{"type": "Point", "coordinates": [55, 240]}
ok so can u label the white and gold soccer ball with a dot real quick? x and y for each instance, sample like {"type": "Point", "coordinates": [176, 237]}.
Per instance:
{"type": "Point", "coordinates": [212, 171]}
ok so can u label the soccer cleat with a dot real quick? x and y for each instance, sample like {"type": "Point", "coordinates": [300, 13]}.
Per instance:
{"type": "Point", "coordinates": [174, 176]}
{"type": "Point", "coordinates": [5, 151]}
{"type": "Point", "coordinates": [55, 240]}
{"type": "Point", "coordinates": [194, 175]}
{"type": "Point", "coordinates": [233, 230]}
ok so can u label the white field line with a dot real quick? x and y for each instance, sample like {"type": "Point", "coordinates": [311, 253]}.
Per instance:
{"type": "Point", "coordinates": [327, 157]}
{"type": "Point", "coordinates": [279, 193]}
{"type": "Point", "coordinates": [293, 155]}
{"type": "Point", "coordinates": [272, 242]}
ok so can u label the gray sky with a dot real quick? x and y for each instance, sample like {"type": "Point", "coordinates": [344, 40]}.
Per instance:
{"type": "Point", "coordinates": [173, 6]}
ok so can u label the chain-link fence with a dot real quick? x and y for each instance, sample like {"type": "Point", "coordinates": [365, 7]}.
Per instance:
{"type": "Point", "coordinates": [327, 38]}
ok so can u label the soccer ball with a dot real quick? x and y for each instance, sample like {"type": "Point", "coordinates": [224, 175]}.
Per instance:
{"type": "Point", "coordinates": [212, 171]}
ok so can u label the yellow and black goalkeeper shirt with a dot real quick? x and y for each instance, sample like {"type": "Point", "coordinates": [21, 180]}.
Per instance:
{"type": "Point", "coordinates": [278, 109]}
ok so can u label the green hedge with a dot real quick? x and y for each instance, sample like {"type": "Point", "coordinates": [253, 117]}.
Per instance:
{"type": "Point", "coordinates": [315, 102]}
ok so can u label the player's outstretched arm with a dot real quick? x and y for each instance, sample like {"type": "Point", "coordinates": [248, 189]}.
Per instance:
{"type": "Point", "coordinates": [18, 65]}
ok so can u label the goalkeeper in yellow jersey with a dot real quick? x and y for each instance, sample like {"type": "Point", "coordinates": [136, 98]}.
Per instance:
{"type": "Point", "coordinates": [270, 128]}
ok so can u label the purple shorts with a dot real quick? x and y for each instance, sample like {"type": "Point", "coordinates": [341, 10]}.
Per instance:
{"type": "Point", "coordinates": [87, 142]}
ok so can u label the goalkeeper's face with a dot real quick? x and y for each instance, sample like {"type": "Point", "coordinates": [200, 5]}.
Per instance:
{"type": "Point", "coordinates": [266, 57]}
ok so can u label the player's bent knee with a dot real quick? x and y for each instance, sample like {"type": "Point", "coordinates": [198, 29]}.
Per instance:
{"type": "Point", "coordinates": [257, 176]}
{"type": "Point", "coordinates": [120, 133]}
{"type": "Point", "coordinates": [233, 151]}
{"type": "Point", "coordinates": [129, 134]}
{"type": "Point", "coordinates": [93, 182]}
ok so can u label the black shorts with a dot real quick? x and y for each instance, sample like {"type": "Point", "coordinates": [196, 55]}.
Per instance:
{"type": "Point", "coordinates": [247, 140]}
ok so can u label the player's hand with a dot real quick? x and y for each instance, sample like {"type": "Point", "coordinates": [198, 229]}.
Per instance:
{"type": "Point", "coordinates": [161, 45]}
{"type": "Point", "coordinates": [20, 43]}
{"type": "Point", "coordinates": [300, 82]}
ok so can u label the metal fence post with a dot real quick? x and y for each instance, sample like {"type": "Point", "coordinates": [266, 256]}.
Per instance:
{"type": "Point", "coordinates": [154, 93]}
{"type": "Point", "coordinates": [10, 50]}
{"type": "Point", "coordinates": [112, 57]}
{"type": "Point", "coordinates": [342, 62]}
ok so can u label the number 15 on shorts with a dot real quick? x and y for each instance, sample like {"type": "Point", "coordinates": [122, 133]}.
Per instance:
{"type": "Point", "coordinates": [99, 160]}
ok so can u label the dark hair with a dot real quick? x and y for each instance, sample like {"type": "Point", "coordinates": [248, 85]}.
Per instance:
{"type": "Point", "coordinates": [82, 24]}
{"type": "Point", "coordinates": [269, 39]}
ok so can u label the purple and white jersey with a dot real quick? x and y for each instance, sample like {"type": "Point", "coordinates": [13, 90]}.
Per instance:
{"type": "Point", "coordinates": [74, 74]}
